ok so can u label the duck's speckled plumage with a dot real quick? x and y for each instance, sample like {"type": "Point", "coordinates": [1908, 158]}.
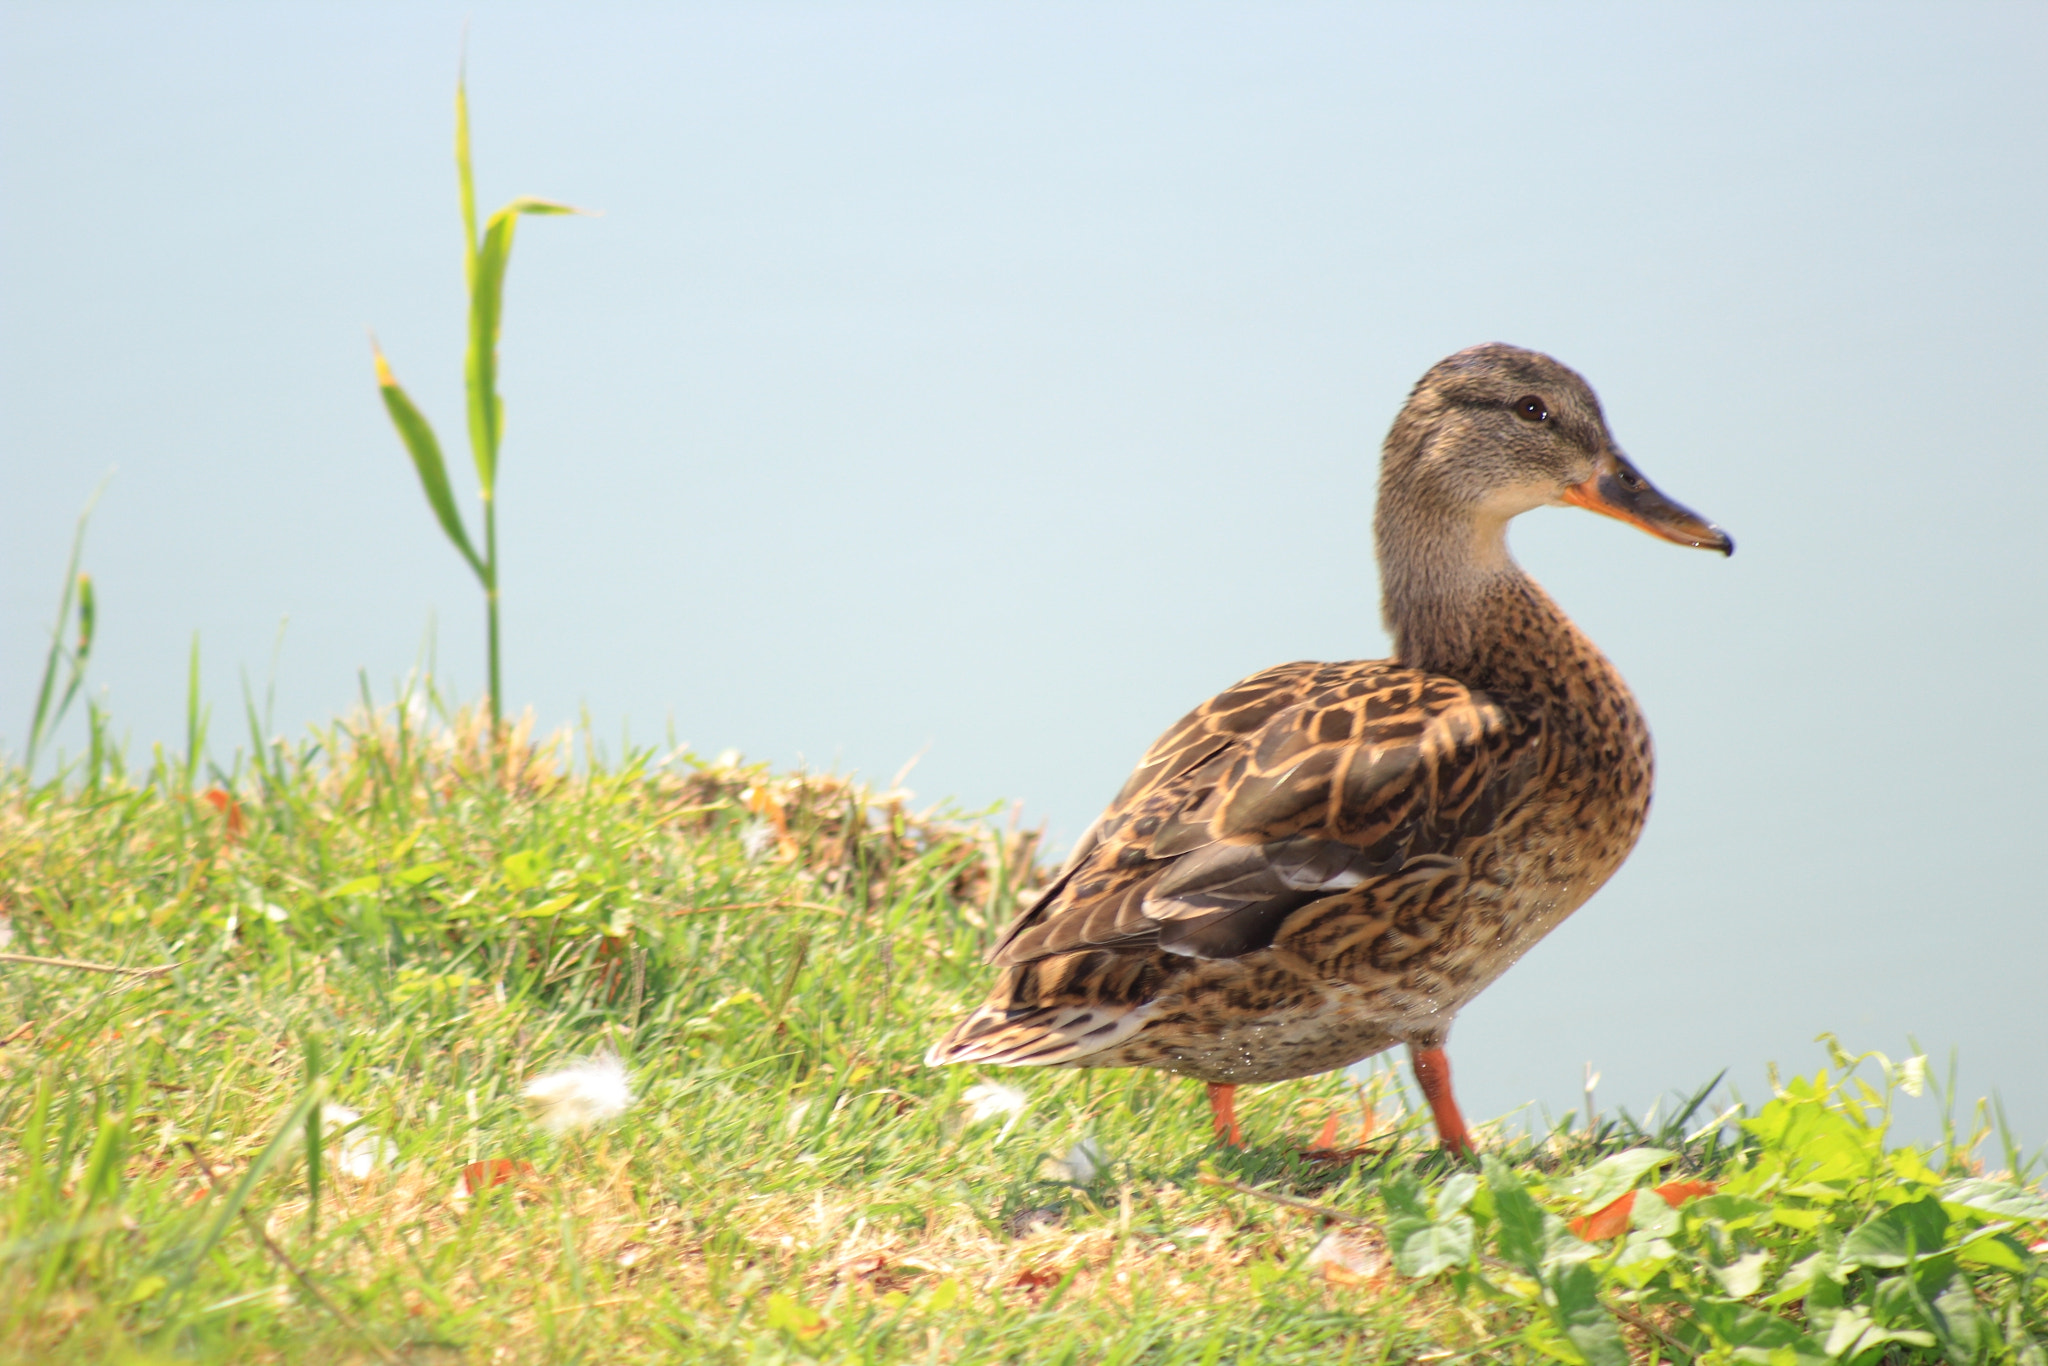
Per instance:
{"type": "Point", "coordinates": [1327, 859]}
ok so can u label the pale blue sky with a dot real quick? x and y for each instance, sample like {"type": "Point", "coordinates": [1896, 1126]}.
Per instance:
{"type": "Point", "coordinates": [996, 381]}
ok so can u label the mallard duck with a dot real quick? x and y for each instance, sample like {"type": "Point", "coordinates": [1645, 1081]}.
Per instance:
{"type": "Point", "coordinates": [1325, 860]}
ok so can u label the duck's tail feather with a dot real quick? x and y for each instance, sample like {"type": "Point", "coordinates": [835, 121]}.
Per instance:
{"type": "Point", "coordinates": [1036, 1036]}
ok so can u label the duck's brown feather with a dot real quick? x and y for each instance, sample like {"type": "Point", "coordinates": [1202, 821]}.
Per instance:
{"type": "Point", "coordinates": [1302, 780]}
{"type": "Point", "coordinates": [1326, 859]}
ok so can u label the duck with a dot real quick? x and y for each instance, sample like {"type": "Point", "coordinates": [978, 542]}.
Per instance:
{"type": "Point", "coordinates": [1325, 860]}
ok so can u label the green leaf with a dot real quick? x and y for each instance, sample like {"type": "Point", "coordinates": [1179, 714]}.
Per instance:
{"type": "Point", "coordinates": [1456, 1194]}
{"type": "Point", "coordinates": [420, 872]}
{"type": "Point", "coordinates": [465, 181]}
{"type": "Point", "coordinates": [1404, 1199]}
{"type": "Point", "coordinates": [480, 363]}
{"type": "Point", "coordinates": [1753, 1335]}
{"type": "Point", "coordinates": [1643, 1255]}
{"type": "Point", "coordinates": [1651, 1214]}
{"type": "Point", "coordinates": [1893, 1237]}
{"type": "Point", "coordinates": [1960, 1322]}
{"type": "Point", "coordinates": [425, 450]}
{"type": "Point", "coordinates": [1521, 1238]}
{"type": "Point", "coordinates": [369, 882]}
{"type": "Point", "coordinates": [1425, 1250]}
{"type": "Point", "coordinates": [522, 869]}
{"type": "Point", "coordinates": [1997, 1197]}
{"type": "Point", "coordinates": [1742, 1277]}
{"type": "Point", "coordinates": [1735, 1211]}
{"type": "Point", "coordinates": [1604, 1182]}
{"type": "Point", "coordinates": [1799, 1278]}
{"type": "Point", "coordinates": [1855, 1333]}
{"type": "Point", "coordinates": [1802, 1219]}
{"type": "Point", "coordinates": [794, 1316]}
{"type": "Point", "coordinates": [539, 208]}
{"type": "Point", "coordinates": [2000, 1250]}
{"type": "Point", "coordinates": [486, 312]}
{"type": "Point", "coordinates": [1585, 1321]}
{"type": "Point", "coordinates": [145, 1289]}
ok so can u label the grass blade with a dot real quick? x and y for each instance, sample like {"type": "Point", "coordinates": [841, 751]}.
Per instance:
{"type": "Point", "coordinates": [308, 1103]}
{"type": "Point", "coordinates": [77, 588]}
{"type": "Point", "coordinates": [195, 718]}
{"type": "Point", "coordinates": [88, 616]}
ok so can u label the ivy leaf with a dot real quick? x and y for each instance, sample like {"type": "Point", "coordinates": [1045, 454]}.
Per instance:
{"type": "Point", "coordinates": [1522, 1238]}
{"type": "Point", "coordinates": [1742, 1277]}
{"type": "Point", "coordinates": [1584, 1319]}
{"type": "Point", "coordinates": [1404, 1199]}
{"type": "Point", "coordinates": [1456, 1194]}
{"type": "Point", "coordinates": [1753, 1335]}
{"type": "Point", "coordinates": [1888, 1239]}
{"type": "Point", "coordinates": [2001, 1250]}
{"type": "Point", "coordinates": [1855, 1333]}
{"type": "Point", "coordinates": [1997, 1197]}
{"type": "Point", "coordinates": [1422, 1252]}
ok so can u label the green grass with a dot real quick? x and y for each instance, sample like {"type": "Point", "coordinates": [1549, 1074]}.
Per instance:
{"type": "Point", "coordinates": [385, 919]}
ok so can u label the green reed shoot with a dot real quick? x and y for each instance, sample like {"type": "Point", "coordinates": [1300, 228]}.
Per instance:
{"type": "Point", "coordinates": [484, 260]}
{"type": "Point", "coordinates": [70, 660]}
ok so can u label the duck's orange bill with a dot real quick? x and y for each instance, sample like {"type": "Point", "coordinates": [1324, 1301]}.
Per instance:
{"type": "Point", "coordinates": [1619, 491]}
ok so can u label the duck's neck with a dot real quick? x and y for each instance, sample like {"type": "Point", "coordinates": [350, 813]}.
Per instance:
{"type": "Point", "coordinates": [1457, 604]}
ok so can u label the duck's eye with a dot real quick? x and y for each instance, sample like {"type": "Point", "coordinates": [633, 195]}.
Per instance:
{"type": "Point", "coordinates": [1531, 407]}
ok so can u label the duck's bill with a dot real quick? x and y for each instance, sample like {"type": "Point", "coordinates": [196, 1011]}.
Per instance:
{"type": "Point", "coordinates": [1619, 491]}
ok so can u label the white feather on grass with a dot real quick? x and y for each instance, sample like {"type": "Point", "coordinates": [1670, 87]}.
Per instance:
{"type": "Point", "coordinates": [986, 1100]}
{"type": "Point", "coordinates": [1082, 1164]}
{"type": "Point", "coordinates": [590, 1091]}
{"type": "Point", "coordinates": [351, 1151]}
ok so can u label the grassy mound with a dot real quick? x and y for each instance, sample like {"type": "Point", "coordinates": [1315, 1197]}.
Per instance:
{"type": "Point", "coordinates": [308, 1137]}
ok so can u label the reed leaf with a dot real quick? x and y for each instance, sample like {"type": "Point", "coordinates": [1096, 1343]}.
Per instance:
{"type": "Point", "coordinates": [425, 449]}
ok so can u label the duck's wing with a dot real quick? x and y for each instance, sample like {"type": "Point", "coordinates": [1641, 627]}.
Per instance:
{"type": "Point", "coordinates": [1295, 784]}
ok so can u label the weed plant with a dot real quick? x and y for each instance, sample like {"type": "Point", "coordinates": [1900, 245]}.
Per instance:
{"type": "Point", "coordinates": [485, 258]}
{"type": "Point", "coordinates": [67, 660]}
{"type": "Point", "coordinates": [283, 1147]}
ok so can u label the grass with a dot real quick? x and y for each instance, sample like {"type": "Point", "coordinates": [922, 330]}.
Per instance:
{"type": "Point", "coordinates": [390, 918]}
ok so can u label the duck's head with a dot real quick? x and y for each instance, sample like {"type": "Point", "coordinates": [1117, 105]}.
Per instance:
{"type": "Point", "coordinates": [1494, 431]}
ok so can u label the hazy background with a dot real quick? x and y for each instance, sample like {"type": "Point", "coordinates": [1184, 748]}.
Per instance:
{"type": "Point", "coordinates": [993, 382]}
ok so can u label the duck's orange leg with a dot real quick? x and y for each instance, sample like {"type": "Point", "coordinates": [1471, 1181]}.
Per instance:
{"type": "Point", "coordinates": [1433, 1075]}
{"type": "Point", "coordinates": [1223, 1114]}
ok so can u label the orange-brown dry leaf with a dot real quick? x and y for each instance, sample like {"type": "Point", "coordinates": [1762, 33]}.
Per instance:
{"type": "Point", "coordinates": [222, 802]}
{"type": "Point", "coordinates": [1609, 1221]}
{"type": "Point", "coordinates": [1676, 1193]}
{"type": "Point", "coordinates": [494, 1171]}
